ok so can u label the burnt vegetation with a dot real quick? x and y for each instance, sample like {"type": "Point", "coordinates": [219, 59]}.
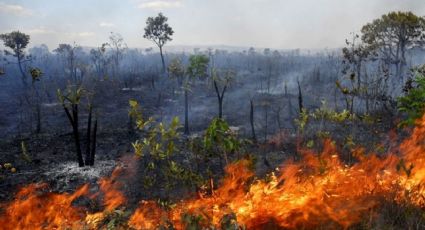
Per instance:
{"type": "Point", "coordinates": [245, 138]}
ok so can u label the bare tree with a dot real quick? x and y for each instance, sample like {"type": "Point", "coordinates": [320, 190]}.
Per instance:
{"type": "Point", "coordinates": [118, 46]}
{"type": "Point", "coordinates": [222, 78]}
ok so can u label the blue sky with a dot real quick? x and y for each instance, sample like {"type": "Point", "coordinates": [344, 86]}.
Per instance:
{"type": "Point", "coordinates": [259, 23]}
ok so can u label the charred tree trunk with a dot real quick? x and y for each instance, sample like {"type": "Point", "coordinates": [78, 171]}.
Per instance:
{"type": "Point", "coordinates": [266, 127]}
{"type": "Point", "coordinates": [21, 69]}
{"type": "Point", "coordinates": [93, 144]}
{"type": "Point", "coordinates": [162, 60]}
{"type": "Point", "coordinates": [220, 97]}
{"type": "Point", "coordinates": [186, 112]}
{"type": "Point", "coordinates": [251, 118]}
{"type": "Point", "coordinates": [300, 98]}
{"type": "Point", "coordinates": [73, 119]}
{"type": "Point", "coordinates": [88, 135]}
{"type": "Point", "coordinates": [91, 139]}
{"type": "Point", "coordinates": [77, 136]}
{"type": "Point", "coordinates": [220, 108]}
{"type": "Point", "coordinates": [153, 81]}
{"type": "Point", "coordinates": [279, 124]}
{"type": "Point", "coordinates": [38, 114]}
{"type": "Point", "coordinates": [130, 125]}
{"type": "Point", "coordinates": [35, 103]}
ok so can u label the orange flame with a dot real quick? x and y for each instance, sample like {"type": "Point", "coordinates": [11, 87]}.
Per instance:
{"type": "Point", "coordinates": [34, 208]}
{"type": "Point", "coordinates": [319, 191]}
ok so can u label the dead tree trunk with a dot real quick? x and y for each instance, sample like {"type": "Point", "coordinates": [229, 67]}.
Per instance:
{"type": "Point", "coordinates": [186, 112]}
{"type": "Point", "coordinates": [91, 139]}
{"type": "Point", "coordinates": [88, 135]}
{"type": "Point", "coordinates": [21, 69]}
{"type": "Point", "coordinates": [251, 118]}
{"type": "Point", "coordinates": [266, 127]}
{"type": "Point", "coordinates": [73, 119]}
{"type": "Point", "coordinates": [300, 98]}
{"type": "Point", "coordinates": [93, 144]}
{"type": "Point", "coordinates": [220, 96]}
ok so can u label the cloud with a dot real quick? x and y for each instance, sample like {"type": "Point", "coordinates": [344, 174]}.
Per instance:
{"type": "Point", "coordinates": [85, 34]}
{"type": "Point", "coordinates": [44, 31]}
{"type": "Point", "coordinates": [160, 4]}
{"type": "Point", "coordinates": [40, 30]}
{"type": "Point", "coordinates": [106, 24]}
{"type": "Point", "coordinates": [14, 9]}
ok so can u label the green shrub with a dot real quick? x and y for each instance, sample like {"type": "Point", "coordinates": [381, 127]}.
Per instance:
{"type": "Point", "coordinates": [413, 103]}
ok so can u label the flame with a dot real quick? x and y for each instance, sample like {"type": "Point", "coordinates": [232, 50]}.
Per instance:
{"type": "Point", "coordinates": [318, 191]}
{"type": "Point", "coordinates": [35, 208]}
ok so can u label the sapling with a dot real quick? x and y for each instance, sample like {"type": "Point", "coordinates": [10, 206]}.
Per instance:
{"type": "Point", "coordinates": [70, 102]}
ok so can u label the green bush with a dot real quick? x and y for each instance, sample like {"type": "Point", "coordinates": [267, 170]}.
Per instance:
{"type": "Point", "coordinates": [413, 103]}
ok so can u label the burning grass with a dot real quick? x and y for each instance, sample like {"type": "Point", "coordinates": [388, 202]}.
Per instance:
{"type": "Point", "coordinates": [318, 192]}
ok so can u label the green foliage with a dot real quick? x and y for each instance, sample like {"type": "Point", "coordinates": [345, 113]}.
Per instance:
{"type": "Point", "coordinates": [351, 90]}
{"type": "Point", "coordinates": [16, 41]}
{"type": "Point", "coordinates": [394, 27]}
{"type": "Point", "coordinates": [198, 221]}
{"type": "Point", "coordinates": [135, 112]}
{"type": "Point", "coordinates": [165, 204]}
{"type": "Point", "coordinates": [71, 95]}
{"type": "Point", "coordinates": [219, 139]}
{"type": "Point", "coordinates": [310, 144]}
{"type": "Point", "coordinates": [223, 76]}
{"type": "Point", "coordinates": [176, 68]}
{"type": "Point", "coordinates": [35, 74]}
{"type": "Point", "coordinates": [331, 115]}
{"type": "Point", "coordinates": [198, 65]}
{"type": "Point", "coordinates": [369, 119]}
{"type": "Point", "coordinates": [321, 116]}
{"type": "Point", "coordinates": [413, 103]}
{"type": "Point", "coordinates": [323, 113]}
{"type": "Point", "coordinates": [192, 222]}
{"type": "Point", "coordinates": [160, 141]}
{"type": "Point", "coordinates": [349, 141]}
{"type": "Point", "coordinates": [323, 134]}
{"type": "Point", "coordinates": [158, 30]}
{"type": "Point", "coordinates": [116, 219]}
{"type": "Point", "coordinates": [158, 148]}
{"type": "Point", "coordinates": [301, 122]}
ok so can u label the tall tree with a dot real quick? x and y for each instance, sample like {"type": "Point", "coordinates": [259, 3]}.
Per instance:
{"type": "Point", "coordinates": [198, 67]}
{"type": "Point", "coordinates": [158, 31]}
{"type": "Point", "coordinates": [17, 42]}
{"type": "Point", "coordinates": [392, 35]}
{"type": "Point", "coordinates": [354, 55]}
{"type": "Point", "coordinates": [177, 71]}
{"type": "Point", "coordinates": [118, 46]}
{"type": "Point", "coordinates": [99, 59]}
{"type": "Point", "coordinates": [69, 56]}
